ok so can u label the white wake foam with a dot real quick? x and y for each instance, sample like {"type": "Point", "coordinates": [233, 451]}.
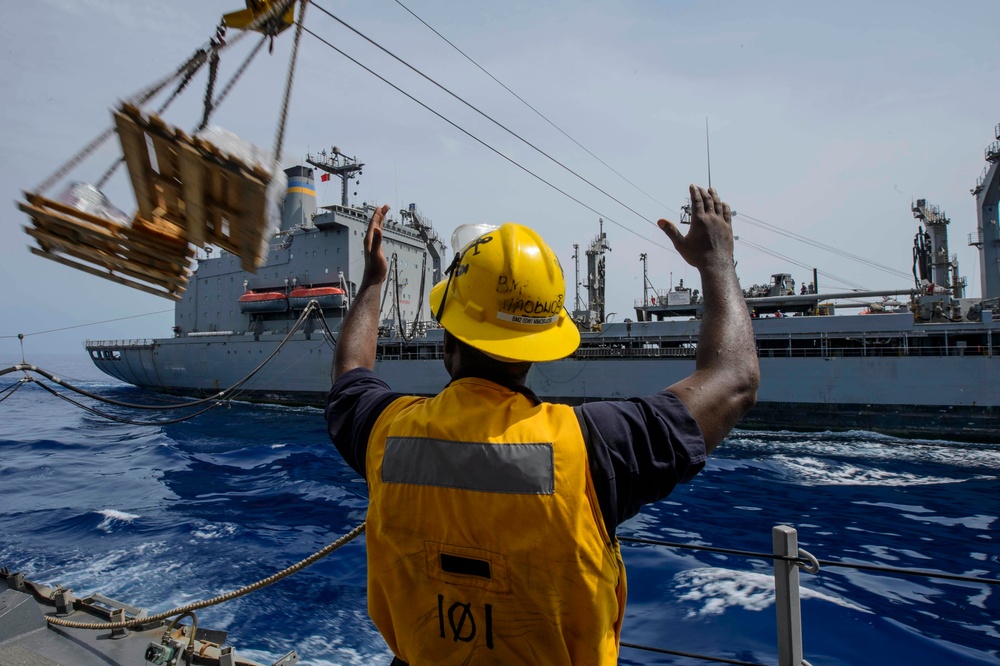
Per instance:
{"type": "Point", "coordinates": [713, 590]}
{"type": "Point", "coordinates": [113, 516]}
{"type": "Point", "coordinates": [823, 472]}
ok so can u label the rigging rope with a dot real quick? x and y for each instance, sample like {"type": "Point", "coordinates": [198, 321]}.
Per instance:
{"type": "Point", "coordinates": [118, 419]}
{"type": "Point", "coordinates": [213, 73]}
{"type": "Point", "coordinates": [796, 262]}
{"type": "Point", "coordinates": [86, 151]}
{"type": "Point", "coordinates": [143, 96]}
{"type": "Point", "coordinates": [194, 64]}
{"type": "Point", "coordinates": [489, 147]}
{"type": "Point", "coordinates": [326, 550]}
{"type": "Point", "coordinates": [692, 655]}
{"type": "Point", "coordinates": [760, 223]}
{"type": "Point", "coordinates": [487, 117]}
{"type": "Point", "coordinates": [231, 393]}
{"type": "Point", "coordinates": [399, 312]}
{"type": "Point", "coordinates": [93, 323]}
{"type": "Point", "coordinates": [12, 390]}
{"type": "Point", "coordinates": [288, 82]}
{"type": "Point", "coordinates": [824, 246]}
{"type": "Point", "coordinates": [537, 112]}
{"type": "Point", "coordinates": [801, 561]}
{"type": "Point", "coordinates": [239, 73]}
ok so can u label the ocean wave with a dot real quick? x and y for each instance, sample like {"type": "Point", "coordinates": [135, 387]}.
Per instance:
{"type": "Point", "coordinates": [714, 590]}
{"type": "Point", "coordinates": [350, 646]}
{"type": "Point", "coordinates": [214, 531]}
{"type": "Point", "coordinates": [113, 518]}
{"type": "Point", "coordinates": [977, 522]}
{"type": "Point", "coordinates": [825, 472]}
{"type": "Point", "coordinates": [864, 444]}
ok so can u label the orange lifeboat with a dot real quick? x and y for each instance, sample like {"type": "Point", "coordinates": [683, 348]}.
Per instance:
{"type": "Point", "coordinates": [264, 301]}
{"type": "Point", "coordinates": [327, 297]}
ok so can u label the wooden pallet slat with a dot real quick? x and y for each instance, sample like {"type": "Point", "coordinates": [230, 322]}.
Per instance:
{"type": "Point", "coordinates": [166, 178]}
{"type": "Point", "coordinates": [112, 248]}
{"type": "Point", "coordinates": [193, 191]}
{"type": "Point", "coordinates": [133, 142]}
{"type": "Point", "coordinates": [189, 193]}
{"type": "Point", "coordinates": [154, 249]}
{"type": "Point", "coordinates": [110, 261]}
{"type": "Point", "coordinates": [214, 197]}
{"type": "Point", "coordinates": [101, 247]}
{"type": "Point", "coordinates": [158, 231]}
{"type": "Point", "coordinates": [174, 296]}
{"type": "Point", "coordinates": [252, 237]}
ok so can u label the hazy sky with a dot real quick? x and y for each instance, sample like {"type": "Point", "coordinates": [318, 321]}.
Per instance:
{"type": "Point", "coordinates": [826, 120]}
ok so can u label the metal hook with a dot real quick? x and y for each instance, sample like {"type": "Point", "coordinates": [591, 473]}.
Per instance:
{"type": "Point", "coordinates": [813, 565]}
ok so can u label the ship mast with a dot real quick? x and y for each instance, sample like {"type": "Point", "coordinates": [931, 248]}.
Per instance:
{"type": "Point", "coordinates": [595, 272]}
{"type": "Point", "coordinates": [576, 274]}
{"type": "Point", "coordinates": [944, 266]}
{"type": "Point", "coordinates": [645, 280]}
{"type": "Point", "coordinates": [339, 165]}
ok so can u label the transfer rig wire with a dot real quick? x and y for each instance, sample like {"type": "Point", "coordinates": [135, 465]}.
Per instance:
{"type": "Point", "coordinates": [224, 397]}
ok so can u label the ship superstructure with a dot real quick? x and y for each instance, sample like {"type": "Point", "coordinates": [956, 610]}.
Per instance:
{"type": "Point", "coordinates": [317, 251]}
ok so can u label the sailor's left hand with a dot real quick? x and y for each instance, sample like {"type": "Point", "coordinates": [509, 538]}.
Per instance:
{"type": "Point", "coordinates": [376, 266]}
{"type": "Point", "coordinates": [709, 242]}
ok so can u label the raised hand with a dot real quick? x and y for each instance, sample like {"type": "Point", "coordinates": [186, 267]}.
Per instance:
{"type": "Point", "coordinates": [376, 266]}
{"type": "Point", "coordinates": [710, 239]}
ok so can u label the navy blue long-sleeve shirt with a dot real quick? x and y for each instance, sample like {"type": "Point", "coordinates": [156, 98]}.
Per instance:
{"type": "Point", "coordinates": [638, 449]}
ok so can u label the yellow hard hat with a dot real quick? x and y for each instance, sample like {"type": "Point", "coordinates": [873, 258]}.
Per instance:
{"type": "Point", "coordinates": [504, 295]}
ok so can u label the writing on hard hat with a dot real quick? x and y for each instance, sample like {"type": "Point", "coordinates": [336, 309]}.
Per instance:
{"type": "Point", "coordinates": [504, 296]}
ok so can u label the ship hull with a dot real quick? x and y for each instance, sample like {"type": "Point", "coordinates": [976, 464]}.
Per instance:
{"type": "Point", "coordinates": [949, 397]}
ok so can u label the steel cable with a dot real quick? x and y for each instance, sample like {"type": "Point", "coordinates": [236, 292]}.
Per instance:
{"type": "Point", "coordinates": [488, 146]}
{"type": "Point", "coordinates": [486, 116]}
{"type": "Point", "coordinates": [227, 394]}
{"type": "Point", "coordinates": [118, 419]}
{"type": "Point", "coordinates": [805, 561]}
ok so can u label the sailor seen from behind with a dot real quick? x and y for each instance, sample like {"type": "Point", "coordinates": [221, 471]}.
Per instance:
{"type": "Point", "coordinates": [492, 515]}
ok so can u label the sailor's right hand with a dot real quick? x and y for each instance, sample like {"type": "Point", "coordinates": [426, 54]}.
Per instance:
{"type": "Point", "coordinates": [709, 242]}
{"type": "Point", "coordinates": [376, 266]}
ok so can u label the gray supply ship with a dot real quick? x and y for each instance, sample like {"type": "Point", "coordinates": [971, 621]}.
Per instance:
{"type": "Point", "coordinates": [923, 362]}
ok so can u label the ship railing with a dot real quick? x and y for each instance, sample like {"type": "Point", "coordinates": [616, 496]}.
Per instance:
{"type": "Point", "coordinates": [410, 352]}
{"type": "Point", "coordinates": [622, 351]}
{"type": "Point", "coordinates": [772, 348]}
{"type": "Point", "coordinates": [788, 558]}
{"type": "Point", "coordinates": [405, 352]}
{"type": "Point", "coordinates": [133, 343]}
{"type": "Point", "coordinates": [993, 152]}
{"type": "Point", "coordinates": [959, 348]}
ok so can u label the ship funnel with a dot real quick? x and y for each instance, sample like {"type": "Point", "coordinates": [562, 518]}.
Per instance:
{"type": "Point", "coordinates": [300, 199]}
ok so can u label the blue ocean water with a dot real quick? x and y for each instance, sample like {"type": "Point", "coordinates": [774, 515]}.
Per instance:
{"type": "Point", "coordinates": [160, 516]}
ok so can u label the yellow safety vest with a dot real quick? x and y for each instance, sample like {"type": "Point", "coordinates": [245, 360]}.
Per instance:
{"type": "Point", "coordinates": [485, 538]}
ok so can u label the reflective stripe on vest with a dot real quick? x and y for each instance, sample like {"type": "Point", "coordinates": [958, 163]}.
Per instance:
{"type": "Point", "coordinates": [525, 468]}
{"type": "Point", "coordinates": [485, 539]}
